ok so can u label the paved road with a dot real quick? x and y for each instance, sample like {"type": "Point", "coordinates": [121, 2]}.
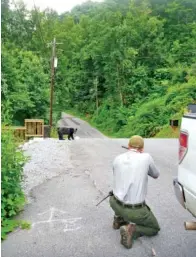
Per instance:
{"type": "Point", "coordinates": [83, 128]}
{"type": "Point", "coordinates": [66, 223]}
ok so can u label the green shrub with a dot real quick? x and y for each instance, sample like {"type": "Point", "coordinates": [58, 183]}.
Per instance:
{"type": "Point", "coordinates": [12, 196]}
{"type": "Point", "coordinates": [148, 117]}
{"type": "Point", "coordinates": [146, 120]}
{"type": "Point", "coordinates": [110, 118]}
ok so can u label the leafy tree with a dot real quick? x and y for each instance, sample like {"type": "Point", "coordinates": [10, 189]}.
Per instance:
{"type": "Point", "coordinates": [25, 85]}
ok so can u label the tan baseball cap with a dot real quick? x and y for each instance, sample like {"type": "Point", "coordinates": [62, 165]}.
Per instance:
{"type": "Point", "coordinates": [136, 142]}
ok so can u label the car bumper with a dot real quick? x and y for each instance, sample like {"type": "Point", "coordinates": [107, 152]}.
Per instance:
{"type": "Point", "coordinates": [179, 192]}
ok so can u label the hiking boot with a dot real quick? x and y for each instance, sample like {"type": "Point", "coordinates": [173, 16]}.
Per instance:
{"type": "Point", "coordinates": [126, 233]}
{"type": "Point", "coordinates": [118, 222]}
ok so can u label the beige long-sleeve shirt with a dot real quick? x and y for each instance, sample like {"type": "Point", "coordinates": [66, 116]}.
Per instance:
{"type": "Point", "coordinates": [130, 176]}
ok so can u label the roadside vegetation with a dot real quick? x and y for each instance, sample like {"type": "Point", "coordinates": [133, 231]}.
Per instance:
{"type": "Point", "coordinates": [12, 196]}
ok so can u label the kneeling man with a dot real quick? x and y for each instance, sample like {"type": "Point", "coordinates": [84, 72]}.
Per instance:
{"type": "Point", "coordinates": [132, 214]}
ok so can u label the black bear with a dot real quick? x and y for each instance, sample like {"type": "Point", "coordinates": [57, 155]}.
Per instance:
{"type": "Point", "coordinates": [66, 131]}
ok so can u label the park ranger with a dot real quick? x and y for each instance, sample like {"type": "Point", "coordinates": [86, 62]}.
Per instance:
{"type": "Point", "coordinates": [130, 179]}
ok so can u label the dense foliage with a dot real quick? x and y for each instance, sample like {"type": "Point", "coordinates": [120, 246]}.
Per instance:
{"type": "Point", "coordinates": [130, 65]}
{"type": "Point", "coordinates": [12, 197]}
{"type": "Point", "coordinates": [12, 162]}
{"type": "Point", "coordinates": [24, 80]}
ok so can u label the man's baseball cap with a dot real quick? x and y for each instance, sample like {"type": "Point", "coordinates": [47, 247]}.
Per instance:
{"type": "Point", "coordinates": [136, 142]}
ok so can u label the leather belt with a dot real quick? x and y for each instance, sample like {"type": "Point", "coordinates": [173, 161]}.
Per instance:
{"type": "Point", "coordinates": [132, 206]}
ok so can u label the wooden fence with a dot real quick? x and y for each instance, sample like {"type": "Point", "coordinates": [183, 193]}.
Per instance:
{"type": "Point", "coordinates": [19, 132]}
{"type": "Point", "coordinates": [32, 128]}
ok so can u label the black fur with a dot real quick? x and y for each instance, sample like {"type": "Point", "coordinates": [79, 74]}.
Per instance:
{"type": "Point", "coordinates": [66, 131]}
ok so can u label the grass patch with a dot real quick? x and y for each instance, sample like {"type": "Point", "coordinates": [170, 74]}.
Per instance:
{"type": "Point", "coordinates": [53, 133]}
{"type": "Point", "coordinates": [168, 132]}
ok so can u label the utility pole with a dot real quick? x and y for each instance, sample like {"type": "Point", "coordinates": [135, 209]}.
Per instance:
{"type": "Point", "coordinates": [52, 79]}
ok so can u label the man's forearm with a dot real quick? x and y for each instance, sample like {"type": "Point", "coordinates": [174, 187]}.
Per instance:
{"type": "Point", "coordinates": [153, 171]}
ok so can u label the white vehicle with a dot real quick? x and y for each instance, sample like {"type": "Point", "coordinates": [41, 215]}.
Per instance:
{"type": "Point", "coordinates": [185, 183]}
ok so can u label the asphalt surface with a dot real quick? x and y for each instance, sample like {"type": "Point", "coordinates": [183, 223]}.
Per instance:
{"type": "Point", "coordinates": [66, 222]}
{"type": "Point", "coordinates": [83, 128]}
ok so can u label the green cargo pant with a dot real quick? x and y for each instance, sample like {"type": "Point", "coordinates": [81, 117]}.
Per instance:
{"type": "Point", "coordinates": [146, 223]}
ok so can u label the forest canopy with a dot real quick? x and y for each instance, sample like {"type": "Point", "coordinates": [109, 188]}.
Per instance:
{"type": "Point", "coordinates": [130, 66]}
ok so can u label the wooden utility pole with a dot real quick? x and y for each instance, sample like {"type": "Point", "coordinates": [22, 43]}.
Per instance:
{"type": "Point", "coordinates": [52, 79]}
